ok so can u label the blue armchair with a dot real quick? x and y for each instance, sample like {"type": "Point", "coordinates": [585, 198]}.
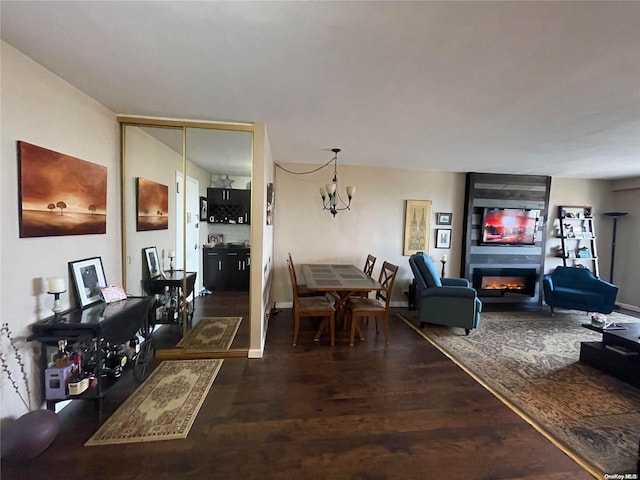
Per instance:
{"type": "Point", "coordinates": [578, 289]}
{"type": "Point", "coordinates": [443, 301]}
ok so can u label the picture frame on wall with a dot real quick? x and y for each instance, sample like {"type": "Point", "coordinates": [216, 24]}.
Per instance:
{"type": "Point", "coordinates": [271, 203]}
{"type": "Point", "coordinates": [416, 226]}
{"type": "Point", "coordinates": [152, 205]}
{"type": "Point", "coordinates": [59, 194]}
{"type": "Point", "coordinates": [443, 238]}
{"type": "Point", "coordinates": [203, 209]}
{"type": "Point", "coordinates": [88, 278]}
{"type": "Point", "coordinates": [153, 262]}
{"type": "Point", "coordinates": [443, 218]}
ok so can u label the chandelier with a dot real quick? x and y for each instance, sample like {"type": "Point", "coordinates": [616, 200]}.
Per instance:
{"type": "Point", "coordinates": [331, 199]}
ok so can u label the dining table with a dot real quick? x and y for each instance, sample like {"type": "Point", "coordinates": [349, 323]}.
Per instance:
{"type": "Point", "coordinates": [341, 281]}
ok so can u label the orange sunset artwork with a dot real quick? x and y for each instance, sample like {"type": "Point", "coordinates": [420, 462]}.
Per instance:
{"type": "Point", "coordinates": [153, 206]}
{"type": "Point", "coordinates": [60, 194]}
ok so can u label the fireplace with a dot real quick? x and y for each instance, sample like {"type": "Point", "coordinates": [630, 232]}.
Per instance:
{"type": "Point", "coordinates": [498, 281]}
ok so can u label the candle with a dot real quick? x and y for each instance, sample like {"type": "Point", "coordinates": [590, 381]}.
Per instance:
{"type": "Point", "coordinates": [56, 285]}
{"type": "Point", "coordinates": [171, 254]}
{"type": "Point", "coordinates": [444, 259]}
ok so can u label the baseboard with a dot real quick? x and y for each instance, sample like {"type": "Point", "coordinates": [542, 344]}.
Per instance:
{"type": "Point", "coordinates": [634, 308]}
{"type": "Point", "coordinates": [255, 353]}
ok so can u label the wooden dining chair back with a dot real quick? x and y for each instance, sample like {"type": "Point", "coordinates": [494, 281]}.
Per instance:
{"type": "Point", "coordinates": [303, 291]}
{"type": "Point", "coordinates": [369, 264]}
{"type": "Point", "coordinates": [377, 307]}
{"type": "Point", "coordinates": [310, 307]}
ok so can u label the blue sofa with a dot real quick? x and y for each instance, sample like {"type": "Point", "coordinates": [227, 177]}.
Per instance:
{"type": "Point", "coordinates": [443, 301]}
{"type": "Point", "coordinates": [578, 289]}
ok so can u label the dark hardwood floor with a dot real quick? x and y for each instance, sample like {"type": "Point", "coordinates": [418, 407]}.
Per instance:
{"type": "Point", "coordinates": [218, 304]}
{"type": "Point", "coordinates": [402, 411]}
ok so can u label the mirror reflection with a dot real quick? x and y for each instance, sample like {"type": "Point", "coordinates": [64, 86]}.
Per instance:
{"type": "Point", "coordinates": [187, 230]}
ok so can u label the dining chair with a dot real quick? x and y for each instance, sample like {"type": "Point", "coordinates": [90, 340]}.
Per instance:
{"type": "Point", "coordinates": [368, 270]}
{"type": "Point", "coordinates": [303, 291]}
{"type": "Point", "coordinates": [377, 307]}
{"type": "Point", "coordinates": [368, 264]}
{"type": "Point", "coordinates": [310, 307]}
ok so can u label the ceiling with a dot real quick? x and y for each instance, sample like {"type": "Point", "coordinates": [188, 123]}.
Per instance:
{"type": "Point", "coordinates": [548, 88]}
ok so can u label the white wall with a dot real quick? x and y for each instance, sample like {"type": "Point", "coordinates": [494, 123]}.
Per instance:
{"type": "Point", "coordinates": [261, 234]}
{"type": "Point", "coordinates": [625, 197]}
{"type": "Point", "coordinates": [40, 108]}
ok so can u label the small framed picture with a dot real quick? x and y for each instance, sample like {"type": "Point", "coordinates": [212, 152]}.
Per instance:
{"type": "Point", "coordinates": [203, 209]}
{"type": "Point", "coordinates": [443, 238]}
{"type": "Point", "coordinates": [153, 263]}
{"type": "Point", "coordinates": [88, 278]}
{"type": "Point", "coordinates": [443, 218]}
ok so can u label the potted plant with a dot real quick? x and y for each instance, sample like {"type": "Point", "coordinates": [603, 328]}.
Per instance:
{"type": "Point", "coordinates": [31, 434]}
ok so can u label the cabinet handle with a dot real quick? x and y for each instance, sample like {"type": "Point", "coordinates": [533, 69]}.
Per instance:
{"type": "Point", "coordinates": [219, 265]}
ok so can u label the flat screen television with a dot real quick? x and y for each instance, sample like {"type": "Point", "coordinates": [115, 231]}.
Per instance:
{"type": "Point", "coordinates": [509, 226]}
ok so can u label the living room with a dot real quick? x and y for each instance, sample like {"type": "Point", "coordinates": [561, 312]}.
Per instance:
{"type": "Point", "coordinates": [43, 108]}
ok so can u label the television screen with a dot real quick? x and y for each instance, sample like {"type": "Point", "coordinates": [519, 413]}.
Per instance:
{"type": "Point", "coordinates": [509, 226]}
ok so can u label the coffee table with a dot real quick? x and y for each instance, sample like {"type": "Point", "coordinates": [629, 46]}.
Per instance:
{"type": "Point", "coordinates": [618, 354]}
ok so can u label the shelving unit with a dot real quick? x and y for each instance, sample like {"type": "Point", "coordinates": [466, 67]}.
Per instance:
{"type": "Point", "coordinates": [577, 235]}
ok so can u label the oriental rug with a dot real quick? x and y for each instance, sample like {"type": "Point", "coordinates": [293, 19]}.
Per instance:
{"type": "Point", "coordinates": [211, 333]}
{"type": "Point", "coordinates": [164, 407]}
{"type": "Point", "coordinates": [530, 361]}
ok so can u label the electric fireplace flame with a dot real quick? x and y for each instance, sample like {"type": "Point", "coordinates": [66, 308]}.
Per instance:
{"type": "Point", "coordinates": [503, 283]}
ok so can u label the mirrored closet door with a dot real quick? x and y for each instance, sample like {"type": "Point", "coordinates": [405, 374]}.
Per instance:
{"type": "Point", "coordinates": [186, 209]}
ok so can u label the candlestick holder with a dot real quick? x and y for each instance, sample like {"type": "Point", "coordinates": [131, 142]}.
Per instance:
{"type": "Point", "coordinates": [444, 261]}
{"type": "Point", "coordinates": [171, 257]}
{"type": "Point", "coordinates": [57, 306]}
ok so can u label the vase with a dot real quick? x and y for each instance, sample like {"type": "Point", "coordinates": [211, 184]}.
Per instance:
{"type": "Point", "coordinates": [30, 435]}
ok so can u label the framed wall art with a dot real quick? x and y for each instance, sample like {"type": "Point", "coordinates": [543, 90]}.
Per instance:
{"type": "Point", "coordinates": [59, 194]}
{"type": "Point", "coordinates": [271, 203]}
{"type": "Point", "coordinates": [443, 238]}
{"type": "Point", "coordinates": [153, 262]}
{"type": "Point", "coordinates": [152, 204]}
{"type": "Point", "coordinates": [88, 278]}
{"type": "Point", "coordinates": [443, 218]}
{"type": "Point", "coordinates": [416, 226]}
{"type": "Point", "coordinates": [203, 209]}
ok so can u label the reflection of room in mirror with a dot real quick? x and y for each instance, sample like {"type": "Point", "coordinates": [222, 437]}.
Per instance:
{"type": "Point", "coordinates": [212, 155]}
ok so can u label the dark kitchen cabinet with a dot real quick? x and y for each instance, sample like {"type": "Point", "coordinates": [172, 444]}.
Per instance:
{"type": "Point", "coordinates": [229, 205]}
{"type": "Point", "coordinates": [226, 269]}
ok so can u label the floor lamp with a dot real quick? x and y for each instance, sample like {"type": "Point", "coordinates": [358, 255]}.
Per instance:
{"type": "Point", "coordinates": [615, 216]}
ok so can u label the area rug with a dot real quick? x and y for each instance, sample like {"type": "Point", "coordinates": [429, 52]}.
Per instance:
{"type": "Point", "coordinates": [211, 333]}
{"type": "Point", "coordinates": [530, 361]}
{"type": "Point", "coordinates": [164, 407]}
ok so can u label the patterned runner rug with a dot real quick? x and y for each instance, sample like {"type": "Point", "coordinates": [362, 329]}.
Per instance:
{"type": "Point", "coordinates": [164, 407]}
{"type": "Point", "coordinates": [211, 333]}
{"type": "Point", "coordinates": [530, 361]}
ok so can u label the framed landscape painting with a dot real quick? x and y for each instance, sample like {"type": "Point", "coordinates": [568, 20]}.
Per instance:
{"type": "Point", "coordinates": [152, 205]}
{"type": "Point", "coordinates": [59, 194]}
